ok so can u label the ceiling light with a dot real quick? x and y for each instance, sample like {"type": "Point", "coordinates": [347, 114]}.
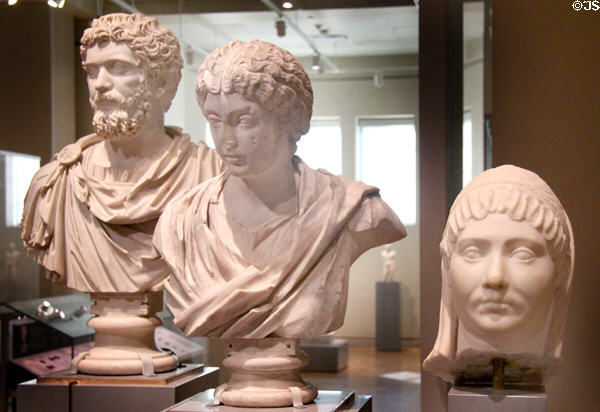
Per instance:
{"type": "Point", "coordinates": [12, 2]}
{"type": "Point", "coordinates": [279, 26]}
{"type": "Point", "coordinates": [53, 3]}
{"type": "Point", "coordinates": [287, 5]}
{"type": "Point", "coordinates": [316, 64]}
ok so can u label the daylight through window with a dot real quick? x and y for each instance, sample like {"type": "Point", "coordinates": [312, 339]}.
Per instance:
{"type": "Point", "coordinates": [387, 158]}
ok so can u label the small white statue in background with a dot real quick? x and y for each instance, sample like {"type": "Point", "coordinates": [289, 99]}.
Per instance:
{"type": "Point", "coordinates": [389, 264]}
{"type": "Point", "coordinates": [507, 267]}
{"type": "Point", "coordinates": [11, 256]}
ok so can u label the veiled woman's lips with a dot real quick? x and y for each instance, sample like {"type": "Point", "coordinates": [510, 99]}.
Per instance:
{"type": "Point", "coordinates": [496, 306]}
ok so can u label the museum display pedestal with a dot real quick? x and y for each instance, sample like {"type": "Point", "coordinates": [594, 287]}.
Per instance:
{"type": "Point", "coordinates": [264, 373]}
{"type": "Point", "coordinates": [387, 316]}
{"type": "Point", "coordinates": [66, 392]}
{"type": "Point", "coordinates": [326, 401]}
{"type": "Point", "coordinates": [124, 325]}
{"type": "Point", "coordinates": [325, 355]}
{"type": "Point", "coordinates": [476, 399]}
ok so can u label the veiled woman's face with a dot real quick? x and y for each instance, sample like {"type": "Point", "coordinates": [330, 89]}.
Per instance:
{"type": "Point", "coordinates": [502, 278]}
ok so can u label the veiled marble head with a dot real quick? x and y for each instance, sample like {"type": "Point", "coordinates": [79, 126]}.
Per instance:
{"type": "Point", "coordinates": [133, 67]}
{"type": "Point", "coordinates": [262, 73]}
{"type": "Point", "coordinates": [507, 263]}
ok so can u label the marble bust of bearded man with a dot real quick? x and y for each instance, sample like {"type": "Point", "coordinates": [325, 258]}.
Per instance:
{"type": "Point", "coordinates": [265, 248]}
{"type": "Point", "coordinates": [90, 212]}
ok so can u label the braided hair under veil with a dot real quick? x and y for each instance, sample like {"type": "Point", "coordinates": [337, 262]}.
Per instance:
{"type": "Point", "coordinates": [522, 196]}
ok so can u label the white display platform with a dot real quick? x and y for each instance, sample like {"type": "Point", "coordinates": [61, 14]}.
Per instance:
{"type": "Point", "coordinates": [326, 401]}
{"type": "Point", "coordinates": [64, 392]}
{"type": "Point", "coordinates": [478, 399]}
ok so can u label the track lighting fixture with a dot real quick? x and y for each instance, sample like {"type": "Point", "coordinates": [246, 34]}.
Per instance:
{"type": "Point", "coordinates": [279, 26]}
{"type": "Point", "coordinates": [316, 64]}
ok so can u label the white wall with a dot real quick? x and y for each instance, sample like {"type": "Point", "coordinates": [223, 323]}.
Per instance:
{"type": "Point", "coordinates": [347, 99]}
{"type": "Point", "coordinates": [184, 111]}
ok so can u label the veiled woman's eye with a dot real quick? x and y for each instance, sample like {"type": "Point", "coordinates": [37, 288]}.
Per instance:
{"type": "Point", "coordinates": [523, 254]}
{"type": "Point", "coordinates": [471, 252]}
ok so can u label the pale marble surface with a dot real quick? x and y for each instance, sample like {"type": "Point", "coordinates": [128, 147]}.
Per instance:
{"type": "Point", "coordinates": [261, 254]}
{"type": "Point", "coordinates": [507, 266]}
{"type": "Point", "coordinates": [389, 263]}
{"type": "Point", "coordinates": [90, 213]}
{"type": "Point", "coordinates": [264, 249]}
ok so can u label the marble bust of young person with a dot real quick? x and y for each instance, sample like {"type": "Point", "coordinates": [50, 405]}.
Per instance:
{"type": "Point", "coordinates": [90, 212]}
{"type": "Point", "coordinates": [507, 265]}
{"type": "Point", "coordinates": [265, 248]}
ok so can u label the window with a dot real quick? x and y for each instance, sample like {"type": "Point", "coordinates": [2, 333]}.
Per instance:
{"type": "Point", "coordinates": [386, 156]}
{"type": "Point", "coordinates": [18, 172]}
{"type": "Point", "coordinates": [320, 148]}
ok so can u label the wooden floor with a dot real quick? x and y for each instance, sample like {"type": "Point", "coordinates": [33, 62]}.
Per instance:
{"type": "Point", "coordinates": [392, 378]}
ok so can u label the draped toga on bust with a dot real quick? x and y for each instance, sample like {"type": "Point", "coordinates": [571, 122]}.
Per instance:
{"type": "Point", "coordinates": [93, 225]}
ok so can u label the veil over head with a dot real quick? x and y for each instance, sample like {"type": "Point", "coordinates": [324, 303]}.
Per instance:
{"type": "Point", "coordinates": [523, 196]}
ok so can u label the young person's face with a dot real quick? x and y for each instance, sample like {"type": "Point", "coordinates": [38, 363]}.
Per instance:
{"type": "Point", "coordinates": [246, 136]}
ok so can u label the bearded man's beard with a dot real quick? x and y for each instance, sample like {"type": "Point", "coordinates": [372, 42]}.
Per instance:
{"type": "Point", "coordinates": [126, 120]}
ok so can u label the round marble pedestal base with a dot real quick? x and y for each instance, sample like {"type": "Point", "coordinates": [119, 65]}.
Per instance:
{"type": "Point", "coordinates": [265, 373]}
{"type": "Point", "coordinates": [123, 343]}
{"type": "Point", "coordinates": [124, 326]}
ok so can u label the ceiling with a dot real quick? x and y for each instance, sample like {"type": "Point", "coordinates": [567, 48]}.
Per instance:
{"type": "Point", "coordinates": [350, 32]}
{"type": "Point", "coordinates": [339, 29]}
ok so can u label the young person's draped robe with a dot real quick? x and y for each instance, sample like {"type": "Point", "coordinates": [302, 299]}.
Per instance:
{"type": "Point", "coordinates": [287, 278]}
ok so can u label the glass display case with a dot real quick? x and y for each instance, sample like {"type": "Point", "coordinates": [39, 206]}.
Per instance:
{"type": "Point", "coordinates": [19, 276]}
{"type": "Point", "coordinates": [40, 336]}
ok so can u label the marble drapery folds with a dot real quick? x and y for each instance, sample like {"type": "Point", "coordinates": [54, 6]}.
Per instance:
{"type": "Point", "coordinates": [287, 278]}
{"type": "Point", "coordinates": [92, 226]}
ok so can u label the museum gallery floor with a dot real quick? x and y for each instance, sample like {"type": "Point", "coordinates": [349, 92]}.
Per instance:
{"type": "Point", "coordinates": [392, 378]}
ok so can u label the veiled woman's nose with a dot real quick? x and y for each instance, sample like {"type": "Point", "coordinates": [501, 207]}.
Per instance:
{"type": "Point", "coordinates": [496, 274]}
